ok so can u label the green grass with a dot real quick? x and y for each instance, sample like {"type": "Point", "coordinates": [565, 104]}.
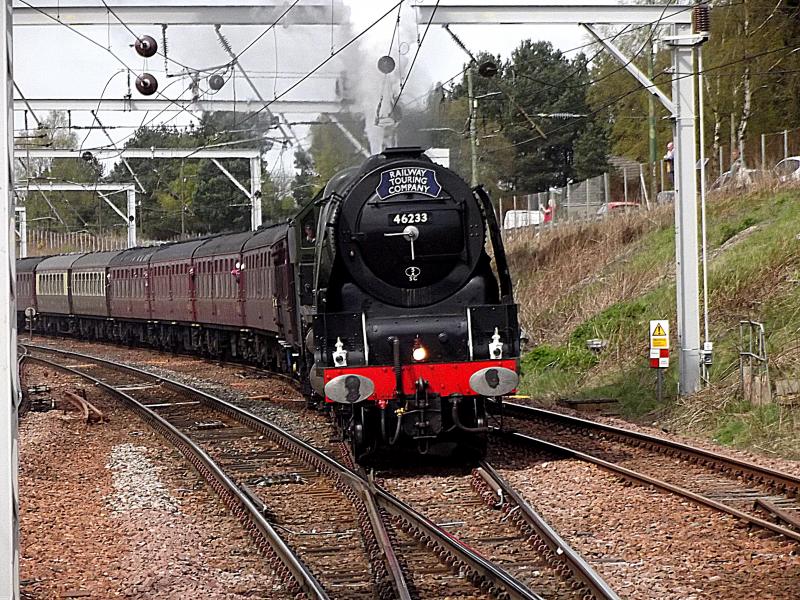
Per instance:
{"type": "Point", "coordinates": [749, 279]}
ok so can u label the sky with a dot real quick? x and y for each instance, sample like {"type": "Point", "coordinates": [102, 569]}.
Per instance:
{"type": "Point", "coordinates": [55, 61]}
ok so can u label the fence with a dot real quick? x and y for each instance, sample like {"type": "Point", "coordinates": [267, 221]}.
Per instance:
{"type": "Point", "coordinates": [761, 151]}
{"type": "Point", "coordinates": [625, 185]}
{"type": "Point", "coordinates": [44, 242]}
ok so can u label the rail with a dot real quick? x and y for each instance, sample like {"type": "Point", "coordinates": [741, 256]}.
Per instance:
{"type": "Point", "coordinates": [581, 570]}
{"type": "Point", "coordinates": [736, 466]}
{"type": "Point", "coordinates": [238, 501]}
{"type": "Point", "coordinates": [477, 569]}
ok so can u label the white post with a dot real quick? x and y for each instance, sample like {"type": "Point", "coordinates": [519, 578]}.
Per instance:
{"type": "Point", "coordinates": [703, 223]}
{"type": "Point", "coordinates": [500, 218]}
{"type": "Point", "coordinates": [763, 151]}
{"type": "Point", "coordinates": [683, 90]}
{"type": "Point", "coordinates": [588, 210]}
{"type": "Point", "coordinates": [131, 197]}
{"type": "Point", "coordinates": [625, 182]}
{"type": "Point", "coordinates": [643, 185]}
{"type": "Point", "coordinates": [9, 451]}
{"type": "Point", "coordinates": [255, 193]}
{"type": "Point", "coordinates": [22, 229]}
{"type": "Point", "coordinates": [785, 143]}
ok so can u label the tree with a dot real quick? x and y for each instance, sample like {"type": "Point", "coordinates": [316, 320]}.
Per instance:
{"type": "Point", "coordinates": [66, 211]}
{"type": "Point", "coordinates": [304, 182]}
{"type": "Point", "coordinates": [330, 148]}
{"type": "Point", "coordinates": [194, 195]}
{"type": "Point", "coordinates": [517, 148]}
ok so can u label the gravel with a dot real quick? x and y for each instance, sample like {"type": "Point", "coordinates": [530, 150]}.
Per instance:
{"type": "Point", "coordinates": [648, 544]}
{"type": "Point", "coordinates": [136, 481]}
{"type": "Point", "coordinates": [174, 538]}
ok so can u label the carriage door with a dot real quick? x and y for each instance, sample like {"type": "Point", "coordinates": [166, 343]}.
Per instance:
{"type": "Point", "coordinates": [240, 287]}
{"type": "Point", "coordinates": [280, 295]}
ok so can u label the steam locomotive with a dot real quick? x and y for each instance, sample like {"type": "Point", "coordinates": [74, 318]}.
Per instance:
{"type": "Point", "coordinates": [379, 295]}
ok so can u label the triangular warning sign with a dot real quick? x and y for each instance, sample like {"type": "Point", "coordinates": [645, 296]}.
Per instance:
{"type": "Point", "coordinates": [659, 331]}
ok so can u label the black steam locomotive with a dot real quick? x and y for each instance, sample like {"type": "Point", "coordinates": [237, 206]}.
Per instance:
{"type": "Point", "coordinates": [413, 330]}
{"type": "Point", "coordinates": [380, 295]}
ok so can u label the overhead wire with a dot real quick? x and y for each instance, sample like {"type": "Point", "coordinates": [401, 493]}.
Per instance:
{"type": "Point", "coordinates": [99, 45]}
{"type": "Point", "coordinates": [626, 31]}
{"type": "Point", "coordinates": [310, 73]}
{"type": "Point", "coordinates": [162, 52]}
{"type": "Point", "coordinates": [414, 59]}
{"type": "Point", "coordinates": [640, 88]}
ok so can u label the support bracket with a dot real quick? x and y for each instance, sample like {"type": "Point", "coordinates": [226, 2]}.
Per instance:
{"type": "Point", "coordinates": [626, 62]}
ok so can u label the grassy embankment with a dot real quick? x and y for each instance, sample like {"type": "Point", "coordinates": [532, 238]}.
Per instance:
{"type": "Point", "coordinates": [608, 279]}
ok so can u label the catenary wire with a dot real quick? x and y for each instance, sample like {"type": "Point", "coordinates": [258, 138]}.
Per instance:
{"type": "Point", "coordinates": [350, 42]}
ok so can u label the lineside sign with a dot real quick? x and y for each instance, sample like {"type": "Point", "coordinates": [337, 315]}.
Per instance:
{"type": "Point", "coordinates": [659, 344]}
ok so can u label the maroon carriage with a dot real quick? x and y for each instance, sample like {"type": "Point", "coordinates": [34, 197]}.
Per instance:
{"type": "Point", "coordinates": [26, 282]}
{"type": "Point", "coordinates": [173, 281]}
{"type": "Point", "coordinates": [262, 305]}
{"type": "Point", "coordinates": [219, 297]}
{"type": "Point", "coordinates": [52, 284]}
{"type": "Point", "coordinates": [130, 294]}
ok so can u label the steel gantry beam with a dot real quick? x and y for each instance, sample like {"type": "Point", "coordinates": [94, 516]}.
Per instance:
{"type": "Point", "coordinates": [208, 153]}
{"type": "Point", "coordinates": [214, 154]}
{"type": "Point", "coordinates": [166, 105]}
{"type": "Point", "coordinates": [130, 192]}
{"type": "Point", "coordinates": [21, 230]}
{"type": "Point", "coordinates": [682, 112]}
{"type": "Point", "coordinates": [181, 12]}
{"type": "Point", "coordinates": [520, 12]}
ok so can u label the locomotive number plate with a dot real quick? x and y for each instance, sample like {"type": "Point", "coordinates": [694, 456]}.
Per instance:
{"type": "Point", "coordinates": [409, 218]}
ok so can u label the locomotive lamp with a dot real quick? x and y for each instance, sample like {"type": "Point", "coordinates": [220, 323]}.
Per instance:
{"type": "Point", "coordinates": [420, 352]}
{"type": "Point", "coordinates": [496, 347]}
{"type": "Point", "coordinates": [340, 356]}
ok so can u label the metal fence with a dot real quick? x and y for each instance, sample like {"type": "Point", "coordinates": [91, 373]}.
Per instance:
{"type": "Point", "coordinates": [761, 151]}
{"type": "Point", "coordinates": [624, 187]}
{"type": "Point", "coordinates": [43, 242]}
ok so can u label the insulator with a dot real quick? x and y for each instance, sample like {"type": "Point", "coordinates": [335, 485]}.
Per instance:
{"type": "Point", "coordinates": [216, 81]}
{"type": "Point", "coordinates": [386, 64]}
{"type": "Point", "coordinates": [146, 84]}
{"type": "Point", "coordinates": [146, 46]}
{"type": "Point", "coordinates": [702, 18]}
{"type": "Point", "coordinates": [226, 45]}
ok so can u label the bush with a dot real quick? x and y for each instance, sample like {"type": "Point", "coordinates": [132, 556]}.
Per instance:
{"type": "Point", "coordinates": [609, 321]}
{"type": "Point", "coordinates": [728, 230]}
{"type": "Point", "coordinates": [567, 358]}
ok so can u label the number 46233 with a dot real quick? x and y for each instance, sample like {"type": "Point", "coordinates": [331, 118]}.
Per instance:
{"type": "Point", "coordinates": [407, 218]}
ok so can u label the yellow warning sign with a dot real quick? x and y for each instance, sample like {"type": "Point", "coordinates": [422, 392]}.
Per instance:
{"type": "Point", "coordinates": [659, 333]}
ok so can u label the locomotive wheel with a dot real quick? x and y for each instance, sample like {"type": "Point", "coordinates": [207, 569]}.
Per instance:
{"type": "Point", "coordinates": [362, 431]}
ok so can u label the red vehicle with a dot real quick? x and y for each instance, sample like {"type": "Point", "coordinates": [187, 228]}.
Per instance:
{"type": "Point", "coordinates": [617, 207]}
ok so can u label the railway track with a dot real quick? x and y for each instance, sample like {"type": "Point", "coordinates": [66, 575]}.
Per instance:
{"type": "Point", "coordinates": [758, 495]}
{"type": "Point", "coordinates": [481, 509]}
{"type": "Point", "coordinates": [309, 512]}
